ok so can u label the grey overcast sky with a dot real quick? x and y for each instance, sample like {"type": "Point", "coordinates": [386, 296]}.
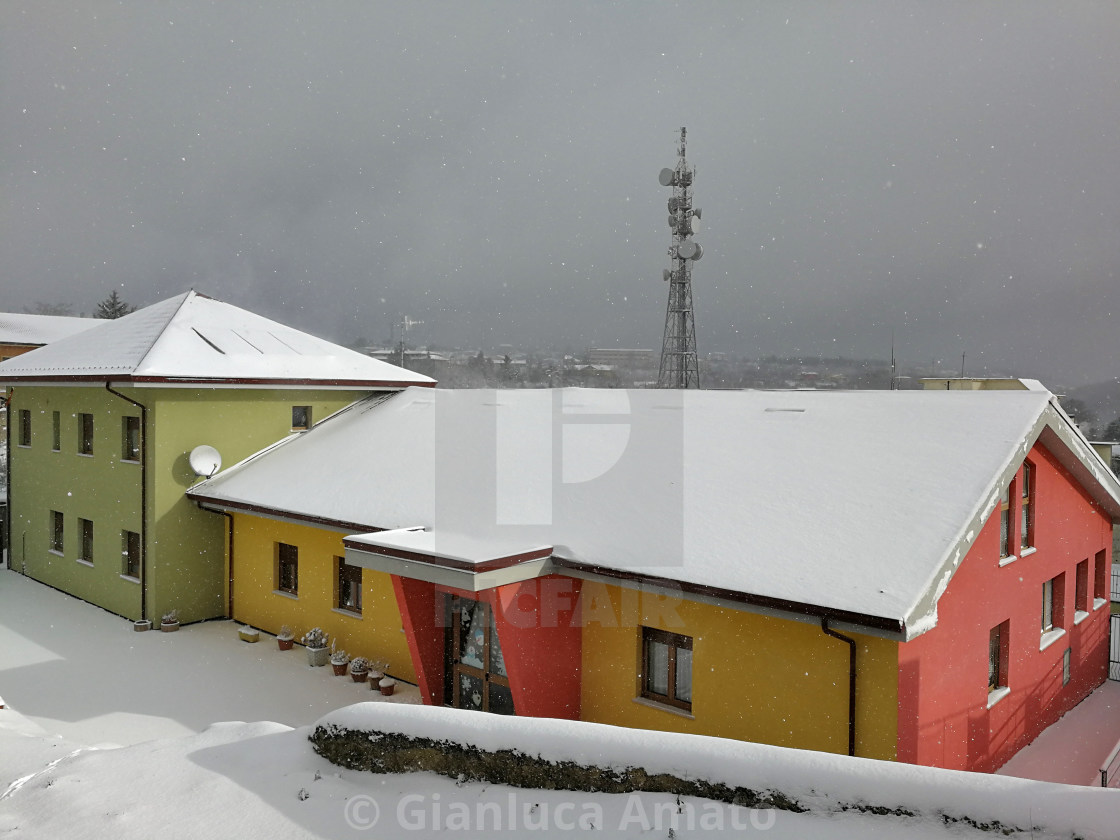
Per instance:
{"type": "Point", "coordinates": [947, 171]}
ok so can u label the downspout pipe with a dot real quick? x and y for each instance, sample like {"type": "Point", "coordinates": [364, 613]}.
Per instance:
{"type": "Point", "coordinates": [144, 459]}
{"type": "Point", "coordinates": [828, 631]}
{"type": "Point", "coordinates": [229, 597]}
{"type": "Point", "coordinates": [7, 400]}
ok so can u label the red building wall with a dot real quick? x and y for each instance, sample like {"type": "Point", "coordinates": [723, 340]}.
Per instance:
{"type": "Point", "coordinates": [944, 719]}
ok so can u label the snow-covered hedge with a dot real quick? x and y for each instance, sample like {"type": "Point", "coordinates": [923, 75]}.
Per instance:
{"type": "Point", "coordinates": [571, 755]}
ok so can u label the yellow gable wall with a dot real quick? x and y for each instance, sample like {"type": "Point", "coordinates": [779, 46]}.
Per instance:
{"type": "Point", "coordinates": [754, 677]}
{"type": "Point", "coordinates": [376, 634]}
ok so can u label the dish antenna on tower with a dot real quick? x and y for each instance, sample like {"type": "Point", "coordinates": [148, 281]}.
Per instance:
{"type": "Point", "coordinates": [679, 363]}
{"type": "Point", "coordinates": [205, 461]}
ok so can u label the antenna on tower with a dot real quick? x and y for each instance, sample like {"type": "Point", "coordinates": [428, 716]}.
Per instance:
{"type": "Point", "coordinates": [404, 324]}
{"type": "Point", "coordinates": [679, 363]}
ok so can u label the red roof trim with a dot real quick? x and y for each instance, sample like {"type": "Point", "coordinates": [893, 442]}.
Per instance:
{"type": "Point", "coordinates": [357, 384]}
{"type": "Point", "coordinates": [260, 510]}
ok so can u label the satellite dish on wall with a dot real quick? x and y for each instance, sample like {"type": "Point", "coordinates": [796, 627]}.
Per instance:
{"type": "Point", "coordinates": [205, 461]}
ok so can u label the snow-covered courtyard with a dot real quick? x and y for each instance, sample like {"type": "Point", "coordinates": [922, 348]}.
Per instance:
{"type": "Point", "coordinates": [75, 677]}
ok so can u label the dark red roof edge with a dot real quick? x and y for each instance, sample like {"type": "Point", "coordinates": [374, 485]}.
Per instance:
{"type": "Point", "coordinates": [247, 507]}
{"type": "Point", "coordinates": [876, 622]}
{"type": "Point", "coordinates": [356, 384]}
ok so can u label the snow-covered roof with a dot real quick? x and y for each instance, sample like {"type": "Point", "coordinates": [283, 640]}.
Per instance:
{"type": "Point", "coordinates": [194, 339]}
{"type": "Point", "coordinates": [858, 505]}
{"type": "Point", "coordinates": [36, 330]}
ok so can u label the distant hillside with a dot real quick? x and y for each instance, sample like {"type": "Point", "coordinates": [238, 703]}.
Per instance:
{"type": "Point", "coordinates": [1101, 398]}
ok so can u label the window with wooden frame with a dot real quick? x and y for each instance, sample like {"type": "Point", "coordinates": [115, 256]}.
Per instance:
{"type": "Point", "coordinates": [1048, 606]}
{"type": "Point", "coordinates": [85, 434]}
{"type": "Point", "coordinates": [24, 427]}
{"type": "Point", "coordinates": [57, 532]}
{"type": "Point", "coordinates": [130, 554]}
{"type": "Point", "coordinates": [130, 438]}
{"type": "Point", "coordinates": [1101, 577]}
{"type": "Point", "coordinates": [666, 671]}
{"type": "Point", "coordinates": [1053, 603]}
{"type": "Point", "coordinates": [349, 586]}
{"type": "Point", "coordinates": [998, 639]}
{"type": "Point", "coordinates": [1026, 507]}
{"type": "Point", "coordinates": [287, 568]}
{"type": "Point", "coordinates": [1005, 521]}
{"type": "Point", "coordinates": [85, 546]}
{"type": "Point", "coordinates": [1081, 587]}
{"type": "Point", "coordinates": [56, 432]}
{"type": "Point", "coordinates": [301, 418]}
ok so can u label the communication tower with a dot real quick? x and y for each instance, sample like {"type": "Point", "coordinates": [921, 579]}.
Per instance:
{"type": "Point", "coordinates": [679, 365]}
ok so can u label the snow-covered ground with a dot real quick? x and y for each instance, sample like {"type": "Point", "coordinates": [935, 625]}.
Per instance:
{"type": "Point", "coordinates": [74, 676]}
{"type": "Point", "coordinates": [84, 674]}
{"type": "Point", "coordinates": [1073, 749]}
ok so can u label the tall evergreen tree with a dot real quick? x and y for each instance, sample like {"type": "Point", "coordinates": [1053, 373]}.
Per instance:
{"type": "Point", "coordinates": [113, 307]}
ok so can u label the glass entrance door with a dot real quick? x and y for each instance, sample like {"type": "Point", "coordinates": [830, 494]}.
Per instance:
{"type": "Point", "coordinates": [475, 666]}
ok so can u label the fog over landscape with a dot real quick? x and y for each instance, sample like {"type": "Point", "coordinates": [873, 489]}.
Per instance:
{"type": "Point", "coordinates": [947, 172]}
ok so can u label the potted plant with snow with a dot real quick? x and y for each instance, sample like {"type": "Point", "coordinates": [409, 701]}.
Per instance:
{"type": "Point", "coordinates": [248, 634]}
{"type": "Point", "coordinates": [387, 684]}
{"type": "Point", "coordinates": [376, 671]}
{"type": "Point", "coordinates": [285, 638]}
{"type": "Point", "coordinates": [359, 669]}
{"type": "Point", "coordinates": [170, 622]}
{"type": "Point", "coordinates": [339, 661]}
{"type": "Point", "coordinates": [317, 651]}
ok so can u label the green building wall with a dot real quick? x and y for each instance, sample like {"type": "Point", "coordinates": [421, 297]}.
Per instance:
{"type": "Point", "coordinates": [185, 567]}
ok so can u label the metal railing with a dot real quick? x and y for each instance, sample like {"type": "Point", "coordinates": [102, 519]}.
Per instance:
{"type": "Point", "coordinates": [1110, 770]}
{"type": "Point", "coordinates": [1115, 583]}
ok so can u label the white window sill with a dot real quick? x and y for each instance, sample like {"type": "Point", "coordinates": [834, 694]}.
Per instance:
{"type": "Point", "coordinates": [673, 710]}
{"type": "Point", "coordinates": [23, 446]}
{"type": "Point", "coordinates": [347, 613]}
{"type": "Point", "coordinates": [1027, 551]}
{"type": "Point", "coordinates": [1079, 616]}
{"type": "Point", "coordinates": [130, 578]}
{"type": "Point", "coordinates": [1049, 637]}
{"type": "Point", "coordinates": [998, 694]}
{"type": "Point", "coordinates": [85, 454]}
{"type": "Point", "coordinates": [1008, 560]}
{"type": "Point", "coordinates": [83, 562]}
{"type": "Point", "coordinates": [55, 552]}
{"type": "Point", "coordinates": [284, 594]}
{"type": "Point", "coordinates": [1099, 602]}
{"type": "Point", "coordinates": [130, 461]}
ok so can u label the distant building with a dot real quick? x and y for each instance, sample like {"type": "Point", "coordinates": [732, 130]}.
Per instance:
{"type": "Point", "coordinates": [621, 357]}
{"type": "Point", "coordinates": [20, 332]}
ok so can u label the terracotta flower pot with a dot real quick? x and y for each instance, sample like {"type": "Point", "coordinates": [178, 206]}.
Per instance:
{"type": "Point", "coordinates": [340, 670]}
{"type": "Point", "coordinates": [285, 644]}
{"type": "Point", "coordinates": [169, 626]}
{"type": "Point", "coordinates": [359, 676]}
{"type": "Point", "coordinates": [387, 685]}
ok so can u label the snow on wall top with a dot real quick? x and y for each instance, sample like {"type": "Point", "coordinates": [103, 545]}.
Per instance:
{"type": "Point", "coordinates": [193, 337]}
{"type": "Point", "coordinates": [21, 328]}
{"type": "Point", "coordinates": [852, 501]}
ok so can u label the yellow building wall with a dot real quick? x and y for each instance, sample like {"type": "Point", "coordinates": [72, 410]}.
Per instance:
{"type": "Point", "coordinates": [754, 677]}
{"type": "Point", "coordinates": [377, 633]}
